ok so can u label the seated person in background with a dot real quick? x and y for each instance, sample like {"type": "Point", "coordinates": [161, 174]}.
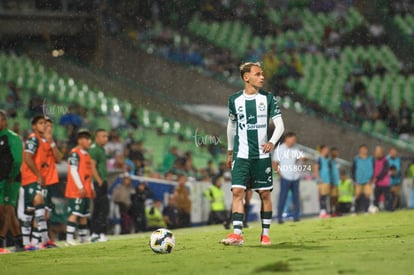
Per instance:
{"type": "Point", "coordinates": [182, 196]}
{"type": "Point", "coordinates": [218, 212]}
{"type": "Point", "coordinates": [137, 211]}
{"type": "Point", "coordinates": [154, 216]}
{"type": "Point", "coordinates": [171, 213]}
{"type": "Point", "coordinates": [346, 194]}
{"type": "Point", "coordinates": [121, 196]}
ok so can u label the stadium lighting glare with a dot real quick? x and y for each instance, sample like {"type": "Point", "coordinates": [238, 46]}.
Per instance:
{"type": "Point", "coordinates": [57, 53]}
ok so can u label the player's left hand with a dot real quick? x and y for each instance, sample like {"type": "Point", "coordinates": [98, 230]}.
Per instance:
{"type": "Point", "coordinates": [268, 147]}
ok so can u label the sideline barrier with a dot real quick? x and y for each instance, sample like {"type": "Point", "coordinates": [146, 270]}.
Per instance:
{"type": "Point", "coordinates": [309, 198]}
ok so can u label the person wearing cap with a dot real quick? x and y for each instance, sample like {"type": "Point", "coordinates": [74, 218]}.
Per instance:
{"type": "Point", "coordinates": [101, 202]}
{"type": "Point", "coordinates": [79, 188]}
{"type": "Point", "coordinates": [215, 195]}
{"type": "Point", "coordinates": [10, 162]}
{"type": "Point", "coordinates": [34, 172]}
{"type": "Point", "coordinates": [53, 156]}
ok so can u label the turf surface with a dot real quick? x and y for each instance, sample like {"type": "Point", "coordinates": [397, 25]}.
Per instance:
{"type": "Point", "coordinates": [373, 244]}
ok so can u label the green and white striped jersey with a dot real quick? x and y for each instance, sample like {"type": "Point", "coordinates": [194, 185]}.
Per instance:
{"type": "Point", "coordinates": [252, 114]}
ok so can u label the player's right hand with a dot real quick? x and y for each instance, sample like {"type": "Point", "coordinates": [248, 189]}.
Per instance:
{"type": "Point", "coordinates": [229, 160]}
{"type": "Point", "coordinates": [82, 192]}
{"type": "Point", "coordinates": [42, 181]}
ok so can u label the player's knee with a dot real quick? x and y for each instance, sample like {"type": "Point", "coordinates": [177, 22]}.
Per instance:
{"type": "Point", "coordinates": [238, 193]}
{"type": "Point", "coordinates": [265, 195]}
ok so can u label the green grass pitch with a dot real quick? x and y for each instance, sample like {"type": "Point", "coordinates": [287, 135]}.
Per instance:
{"type": "Point", "coordinates": [373, 244]}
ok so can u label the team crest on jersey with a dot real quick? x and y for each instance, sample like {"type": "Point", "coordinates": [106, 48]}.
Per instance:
{"type": "Point", "coordinates": [261, 106]}
{"type": "Point", "coordinates": [268, 170]}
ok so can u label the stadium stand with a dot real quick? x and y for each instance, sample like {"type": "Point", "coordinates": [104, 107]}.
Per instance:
{"type": "Point", "coordinates": [63, 93]}
{"type": "Point", "coordinates": [312, 60]}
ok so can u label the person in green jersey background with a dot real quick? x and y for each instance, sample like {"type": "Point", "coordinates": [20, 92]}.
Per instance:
{"type": "Point", "coordinates": [100, 174]}
{"type": "Point", "coordinates": [249, 148]}
{"type": "Point", "coordinates": [11, 152]}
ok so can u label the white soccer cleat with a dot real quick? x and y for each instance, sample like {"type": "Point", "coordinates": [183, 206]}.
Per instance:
{"type": "Point", "coordinates": [71, 243]}
{"type": "Point", "coordinates": [102, 238]}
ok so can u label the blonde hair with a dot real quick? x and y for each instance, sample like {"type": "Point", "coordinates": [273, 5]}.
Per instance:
{"type": "Point", "coordinates": [246, 67]}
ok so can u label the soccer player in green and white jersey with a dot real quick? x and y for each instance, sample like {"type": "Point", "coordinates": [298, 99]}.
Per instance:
{"type": "Point", "coordinates": [249, 148]}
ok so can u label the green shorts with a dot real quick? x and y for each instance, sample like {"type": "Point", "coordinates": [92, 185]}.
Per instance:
{"type": "Point", "coordinates": [255, 174]}
{"type": "Point", "coordinates": [2, 189]}
{"type": "Point", "coordinates": [9, 193]}
{"type": "Point", "coordinates": [79, 207]}
{"type": "Point", "coordinates": [47, 192]}
{"type": "Point", "coordinates": [30, 192]}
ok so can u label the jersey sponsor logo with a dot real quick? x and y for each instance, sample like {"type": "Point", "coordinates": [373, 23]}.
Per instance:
{"type": "Point", "coordinates": [262, 106]}
{"type": "Point", "coordinates": [256, 126]}
{"type": "Point", "coordinates": [241, 117]}
{"type": "Point", "coordinates": [262, 115]}
{"type": "Point", "coordinates": [251, 117]}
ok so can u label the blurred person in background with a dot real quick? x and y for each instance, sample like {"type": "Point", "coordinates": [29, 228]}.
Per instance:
{"type": "Point", "coordinates": [171, 213]}
{"type": "Point", "coordinates": [154, 216]}
{"type": "Point", "coordinates": [345, 193]}
{"type": "Point", "coordinates": [285, 160]}
{"type": "Point", "coordinates": [169, 159]}
{"type": "Point", "coordinates": [52, 179]}
{"type": "Point", "coordinates": [100, 212]}
{"type": "Point", "coordinates": [334, 171]}
{"type": "Point", "coordinates": [79, 188]}
{"type": "Point", "coordinates": [114, 146]}
{"type": "Point", "coordinates": [323, 178]}
{"type": "Point", "coordinates": [122, 197]}
{"type": "Point", "coordinates": [33, 172]}
{"type": "Point", "coordinates": [362, 173]}
{"type": "Point", "coordinates": [137, 210]}
{"type": "Point", "coordinates": [11, 152]}
{"type": "Point", "coordinates": [382, 179]}
{"type": "Point", "coordinates": [136, 155]}
{"type": "Point", "coordinates": [215, 195]}
{"type": "Point", "coordinates": [182, 196]}
{"type": "Point", "coordinates": [395, 172]}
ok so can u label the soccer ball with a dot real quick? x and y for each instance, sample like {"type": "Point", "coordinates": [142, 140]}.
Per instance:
{"type": "Point", "coordinates": [162, 241]}
{"type": "Point", "coordinates": [373, 209]}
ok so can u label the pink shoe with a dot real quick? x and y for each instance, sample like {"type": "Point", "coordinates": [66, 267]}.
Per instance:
{"type": "Point", "coordinates": [265, 240]}
{"type": "Point", "coordinates": [323, 216]}
{"type": "Point", "coordinates": [4, 251]}
{"type": "Point", "coordinates": [233, 239]}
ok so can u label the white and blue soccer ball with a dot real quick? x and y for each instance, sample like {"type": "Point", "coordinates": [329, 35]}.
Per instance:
{"type": "Point", "coordinates": [162, 241]}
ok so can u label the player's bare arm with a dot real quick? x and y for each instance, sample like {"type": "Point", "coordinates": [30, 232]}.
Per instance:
{"type": "Point", "coordinates": [28, 159]}
{"type": "Point", "coordinates": [95, 173]}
